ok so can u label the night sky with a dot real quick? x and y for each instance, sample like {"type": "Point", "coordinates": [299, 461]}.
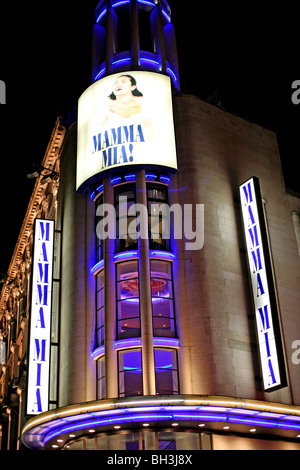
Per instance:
{"type": "Point", "coordinates": [249, 53]}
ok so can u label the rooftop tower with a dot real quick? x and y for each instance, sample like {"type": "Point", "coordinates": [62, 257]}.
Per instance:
{"type": "Point", "coordinates": [134, 35]}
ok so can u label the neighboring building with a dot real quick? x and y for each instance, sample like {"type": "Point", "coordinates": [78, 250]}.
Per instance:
{"type": "Point", "coordinates": [156, 341]}
{"type": "Point", "coordinates": [15, 296]}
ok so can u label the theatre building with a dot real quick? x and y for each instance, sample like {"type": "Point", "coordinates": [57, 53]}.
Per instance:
{"type": "Point", "coordinates": [152, 301]}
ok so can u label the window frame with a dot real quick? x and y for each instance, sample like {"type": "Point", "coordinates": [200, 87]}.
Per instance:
{"type": "Point", "coordinates": [100, 380]}
{"type": "Point", "coordinates": [99, 242]}
{"type": "Point", "coordinates": [100, 325]}
{"type": "Point", "coordinates": [154, 244]}
{"type": "Point", "coordinates": [119, 300]}
{"type": "Point", "coordinates": [134, 392]}
{"type": "Point", "coordinates": [168, 299]}
{"type": "Point", "coordinates": [118, 190]}
{"type": "Point", "coordinates": [174, 370]}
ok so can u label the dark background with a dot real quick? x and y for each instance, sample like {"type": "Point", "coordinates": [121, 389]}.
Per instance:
{"type": "Point", "coordinates": [248, 53]}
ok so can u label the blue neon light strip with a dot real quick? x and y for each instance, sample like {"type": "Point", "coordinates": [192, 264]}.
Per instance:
{"type": "Point", "coordinates": [97, 191]}
{"type": "Point", "coordinates": [122, 61]}
{"type": "Point", "coordinates": [129, 177]}
{"type": "Point", "coordinates": [171, 342]}
{"type": "Point", "coordinates": [82, 418]}
{"type": "Point", "coordinates": [128, 343]}
{"type": "Point", "coordinates": [151, 176]}
{"type": "Point", "coordinates": [170, 72]}
{"type": "Point", "coordinates": [162, 254]}
{"type": "Point", "coordinates": [125, 60]}
{"type": "Point", "coordinates": [100, 74]}
{"type": "Point", "coordinates": [105, 422]}
{"type": "Point", "coordinates": [97, 266]}
{"type": "Point", "coordinates": [135, 343]}
{"type": "Point", "coordinates": [165, 179]}
{"type": "Point", "coordinates": [126, 255]}
{"type": "Point", "coordinates": [117, 179]}
{"type": "Point", "coordinates": [124, 2]}
{"type": "Point", "coordinates": [166, 255]}
{"type": "Point", "coordinates": [98, 352]}
{"type": "Point", "coordinates": [164, 413]}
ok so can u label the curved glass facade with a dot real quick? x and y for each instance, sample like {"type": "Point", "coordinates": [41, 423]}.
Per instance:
{"type": "Point", "coordinates": [126, 292]}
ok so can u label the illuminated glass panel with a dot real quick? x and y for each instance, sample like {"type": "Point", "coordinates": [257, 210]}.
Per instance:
{"type": "Point", "coordinates": [162, 299]}
{"type": "Point", "coordinates": [101, 378]}
{"type": "Point", "coordinates": [166, 372]}
{"type": "Point", "coordinates": [100, 308]}
{"type": "Point", "coordinates": [157, 195]}
{"type": "Point", "coordinates": [128, 303]}
{"type": "Point", "coordinates": [124, 199]}
{"type": "Point", "coordinates": [99, 241]}
{"type": "Point", "coordinates": [130, 373]}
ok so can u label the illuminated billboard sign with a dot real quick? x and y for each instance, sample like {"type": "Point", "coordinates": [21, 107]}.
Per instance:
{"type": "Point", "coordinates": [262, 284]}
{"type": "Point", "coordinates": [40, 318]}
{"type": "Point", "coordinates": [125, 119]}
{"type": "Point", "coordinates": [2, 352]}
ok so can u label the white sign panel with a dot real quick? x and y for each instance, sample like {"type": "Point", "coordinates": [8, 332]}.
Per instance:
{"type": "Point", "coordinates": [2, 352]}
{"type": "Point", "coordinates": [40, 318]}
{"type": "Point", "coordinates": [125, 119]}
{"type": "Point", "coordinates": [262, 285]}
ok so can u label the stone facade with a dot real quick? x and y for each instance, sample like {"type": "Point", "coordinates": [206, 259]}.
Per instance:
{"type": "Point", "coordinates": [217, 151]}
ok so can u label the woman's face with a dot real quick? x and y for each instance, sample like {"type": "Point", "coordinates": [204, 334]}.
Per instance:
{"type": "Point", "coordinates": [122, 86]}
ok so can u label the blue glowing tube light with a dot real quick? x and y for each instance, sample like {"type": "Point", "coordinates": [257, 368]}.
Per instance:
{"type": "Point", "coordinates": [165, 413]}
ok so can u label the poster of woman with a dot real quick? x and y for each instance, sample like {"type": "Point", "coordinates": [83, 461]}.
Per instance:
{"type": "Point", "coordinates": [125, 119]}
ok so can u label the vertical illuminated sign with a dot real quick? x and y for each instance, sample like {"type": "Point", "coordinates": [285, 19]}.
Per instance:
{"type": "Point", "coordinates": [2, 352]}
{"type": "Point", "coordinates": [2, 92]}
{"type": "Point", "coordinates": [262, 284]}
{"type": "Point", "coordinates": [40, 318]}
